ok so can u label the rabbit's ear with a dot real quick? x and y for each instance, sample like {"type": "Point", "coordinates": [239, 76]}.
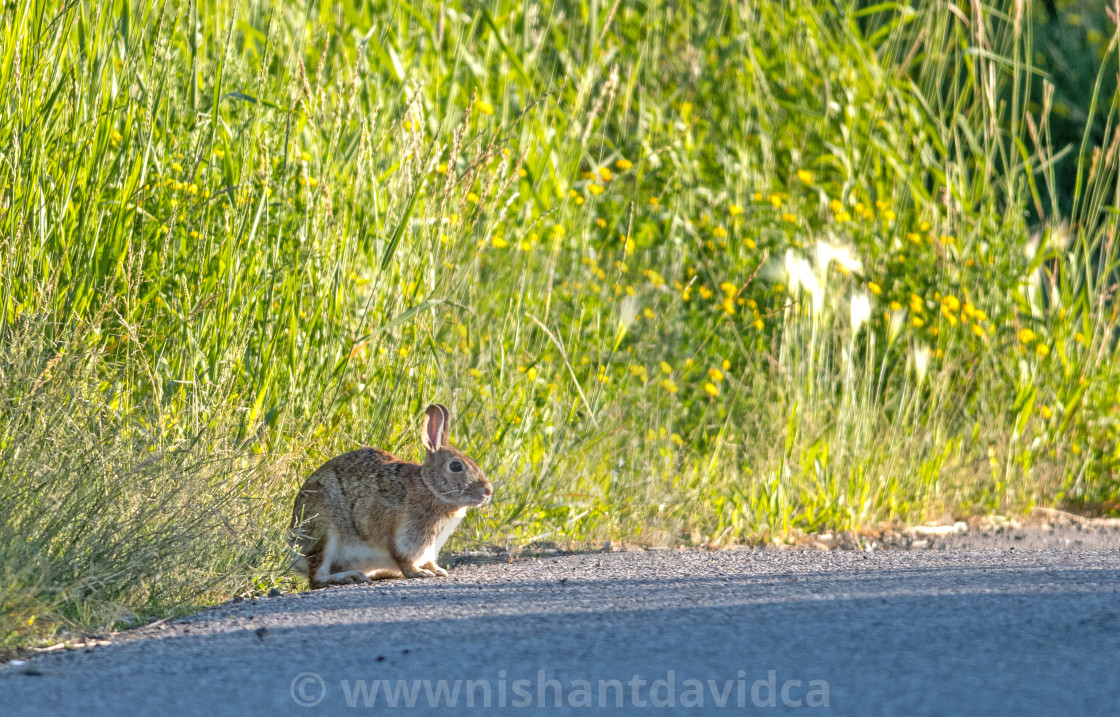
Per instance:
{"type": "Point", "coordinates": [434, 434]}
{"type": "Point", "coordinates": [446, 425]}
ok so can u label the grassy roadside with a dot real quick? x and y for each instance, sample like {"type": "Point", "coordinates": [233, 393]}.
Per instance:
{"type": "Point", "coordinates": [685, 274]}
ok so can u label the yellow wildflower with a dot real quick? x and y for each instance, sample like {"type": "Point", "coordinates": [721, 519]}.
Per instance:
{"type": "Point", "coordinates": [715, 374]}
{"type": "Point", "coordinates": [805, 176]}
{"type": "Point", "coordinates": [595, 189]}
{"type": "Point", "coordinates": [1027, 336]}
{"type": "Point", "coordinates": [874, 288]}
{"type": "Point", "coordinates": [499, 243]}
{"type": "Point", "coordinates": [734, 210]}
{"type": "Point", "coordinates": [710, 389]}
{"type": "Point", "coordinates": [623, 165]}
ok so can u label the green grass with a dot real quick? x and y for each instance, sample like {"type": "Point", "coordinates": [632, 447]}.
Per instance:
{"type": "Point", "coordinates": [696, 273]}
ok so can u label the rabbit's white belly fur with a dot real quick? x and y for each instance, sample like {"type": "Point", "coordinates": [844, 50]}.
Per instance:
{"type": "Point", "coordinates": [359, 556]}
{"type": "Point", "coordinates": [340, 557]}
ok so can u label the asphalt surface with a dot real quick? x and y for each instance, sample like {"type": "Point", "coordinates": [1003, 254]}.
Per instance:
{"type": "Point", "coordinates": [991, 624]}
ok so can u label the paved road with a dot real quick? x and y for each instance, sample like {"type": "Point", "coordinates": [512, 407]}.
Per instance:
{"type": "Point", "coordinates": [998, 630]}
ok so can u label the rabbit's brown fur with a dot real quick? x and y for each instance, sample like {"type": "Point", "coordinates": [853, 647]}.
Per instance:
{"type": "Point", "coordinates": [367, 515]}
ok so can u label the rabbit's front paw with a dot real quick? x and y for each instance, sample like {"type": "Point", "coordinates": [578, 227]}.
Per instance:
{"type": "Point", "coordinates": [415, 571]}
{"type": "Point", "coordinates": [435, 568]}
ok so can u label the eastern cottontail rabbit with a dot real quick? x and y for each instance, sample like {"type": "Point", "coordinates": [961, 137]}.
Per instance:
{"type": "Point", "coordinates": [367, 515]}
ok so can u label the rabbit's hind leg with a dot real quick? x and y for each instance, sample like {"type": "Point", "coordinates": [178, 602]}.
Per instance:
{"type": "Point", "coordinates": [350, 577]}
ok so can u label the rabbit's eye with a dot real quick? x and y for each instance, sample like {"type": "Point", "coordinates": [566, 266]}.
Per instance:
{"type": "Point", "coordinates": [456, 467]}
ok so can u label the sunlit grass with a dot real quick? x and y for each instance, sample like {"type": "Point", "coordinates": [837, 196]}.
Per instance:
{"type": "Point", "coordinates": [697, 274]}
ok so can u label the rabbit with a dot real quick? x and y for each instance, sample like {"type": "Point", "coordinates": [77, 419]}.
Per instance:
{"type": "Point", "coordinates": [367, 515]}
